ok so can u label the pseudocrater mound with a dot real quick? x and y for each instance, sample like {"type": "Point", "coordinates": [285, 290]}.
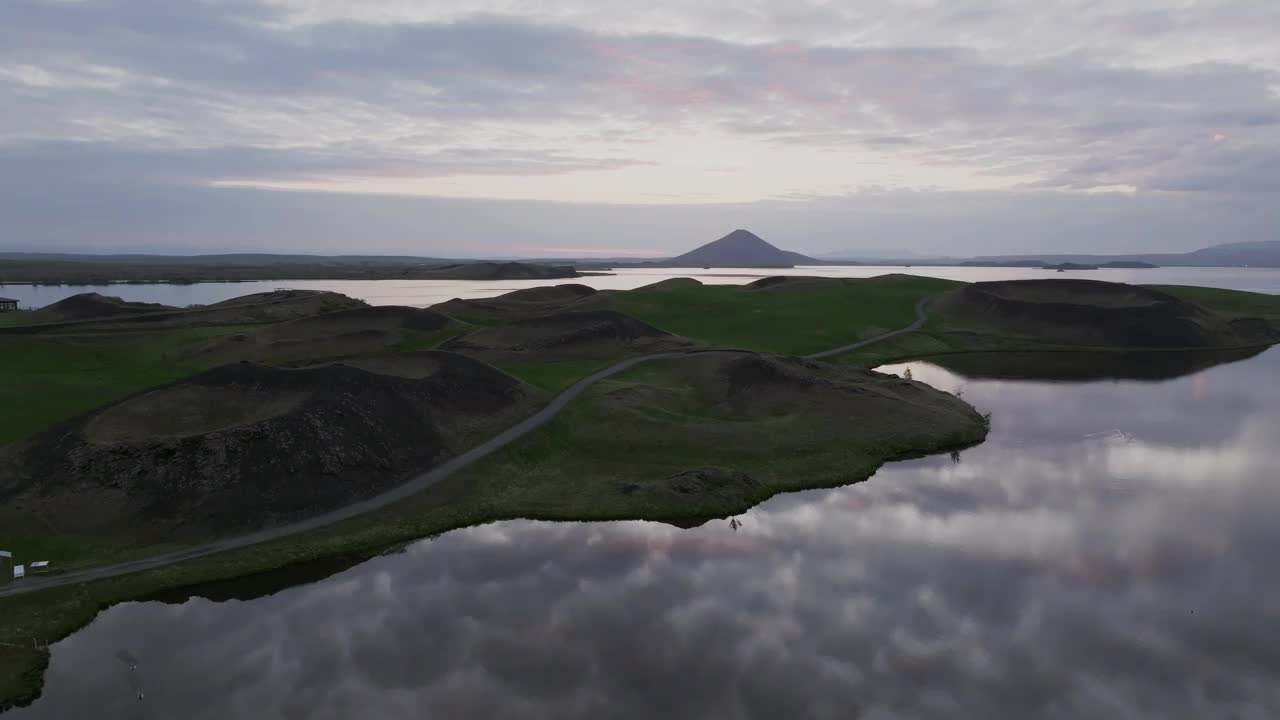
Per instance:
{"type": "Point", "coordinates": [713, 433]}
{"type": "Point", "coordinates": [794, 282]}
{"type": "Point", "coordinates": [567, 292]}
{"type": "Point", "coordinates": [588, 329]}
{"type": "Point", "coordinates": [93, 305]}
{"type": "Point", "coordinates": [182, 411]}
{"type": "Point", "coordinates": [867, 404]}
{"type": "Point", "coordinates": [1091, 313]}
{"type": "Point", "coordinates": [246, 446]}
{"type": "Point", "coordinates": [672, 284]}
{"type": "Point", "coordinates": [528, 302]}
{"type": "Point", "coordinates": [344, 333]}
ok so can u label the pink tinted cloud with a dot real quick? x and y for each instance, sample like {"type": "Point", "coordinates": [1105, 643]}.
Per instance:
{"type": "Point", "coordinates": [579, 250]}
{"type": "Point", "coordinates": [690, 75]}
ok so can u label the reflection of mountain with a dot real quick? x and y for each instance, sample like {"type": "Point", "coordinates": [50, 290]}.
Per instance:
{"type": "Point", "coordinates": [1086, 366]}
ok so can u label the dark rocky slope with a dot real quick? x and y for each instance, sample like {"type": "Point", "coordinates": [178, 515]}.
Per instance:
{"type": "Point", "coordinates": [345, 333]}
{"type": "Point", "coordinates": [524, 303]}
{"type": "Point", "coordinates": [245, 446]}
{"type": "Point", "coordinates": [91, 306]}
{"type": "Point", "coordinates": [120, 316]}
{"type": "Point", "coordinates": [561, 331]}
{"type": "Point", "coordinates": [1095, 314]}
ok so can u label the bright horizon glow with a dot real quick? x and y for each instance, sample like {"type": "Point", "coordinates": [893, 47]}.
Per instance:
{"type": "Point", "coordinates": [561, 110]}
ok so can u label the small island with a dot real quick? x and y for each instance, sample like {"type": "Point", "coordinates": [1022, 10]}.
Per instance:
{"type": "Point", "coordinates": [209, 443]}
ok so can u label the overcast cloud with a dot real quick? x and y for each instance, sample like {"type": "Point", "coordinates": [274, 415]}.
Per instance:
{"type": "Point", "coordinates": [481, 127]}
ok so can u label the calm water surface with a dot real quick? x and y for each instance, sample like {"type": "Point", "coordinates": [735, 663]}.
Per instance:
{"type": "Point", "coordinates": [1110, 552]}
{"type": "Point", "coordinates": [429, 292]}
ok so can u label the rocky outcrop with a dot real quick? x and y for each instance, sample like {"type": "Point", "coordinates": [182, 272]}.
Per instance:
{"type": "Point", "coordinates": [246, 446]}
{"type": "Point", "coordinates": [1091, 313]}
{"type": "Point", "coordinates": [559, 331]}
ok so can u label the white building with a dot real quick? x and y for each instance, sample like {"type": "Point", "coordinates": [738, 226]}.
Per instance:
{"type": "Point", "coordinates": [9, 571]}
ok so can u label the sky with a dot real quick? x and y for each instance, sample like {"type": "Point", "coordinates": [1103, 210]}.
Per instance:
{"type": "Point", "coordinates": [608, 127]}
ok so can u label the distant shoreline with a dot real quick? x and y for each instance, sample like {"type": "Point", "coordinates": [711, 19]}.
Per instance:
{"type": "Point", "coordinates": [104, 273]}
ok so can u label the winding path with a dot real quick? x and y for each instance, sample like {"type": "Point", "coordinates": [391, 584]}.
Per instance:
{"type": "Point", "coordinates": [413, 486]}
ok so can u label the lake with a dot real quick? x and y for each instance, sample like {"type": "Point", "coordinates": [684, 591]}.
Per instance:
{"type": "Point", "coordinates": [1109, 552]}
{"type": "Point", "coordinates": [422, 293]}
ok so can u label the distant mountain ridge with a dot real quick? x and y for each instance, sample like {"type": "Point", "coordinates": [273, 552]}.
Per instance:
{"type": "Point", "coordinates": [740, 248]}
{"type": "Point", "coordinates": [868, 254]}
{"type": "Point", "coordinates": [1265, 253]}
{"type": "Point", "coordinates": [226, 259]}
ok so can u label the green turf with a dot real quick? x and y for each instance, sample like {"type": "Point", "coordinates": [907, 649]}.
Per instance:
{"type": "Point", "coordinates": [1233, 303]}
{"type": "Point", "coordinates": [792, 320]}
{"type": "Point", "coordinates": [19, 317]}
{"type": "Point", "coordinates": [58, 548]}
{"type": "Point", "coordinates": [47, 378]}
{"type": "Point", "coordinates": [416, 341]}
{"type": "Point", "coordinates": [53, 378]}
{"type": "Point", "coordinates": [936, 339]}
{"type": "Point", "coordinates": [552, 375]}
{"type": "Point", "coordinates": [21, 672]}
{"type": "Point", "coordinates": [572, 468]}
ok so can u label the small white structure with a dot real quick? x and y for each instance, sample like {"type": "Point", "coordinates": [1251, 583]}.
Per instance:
{"type": "Point", "coordinates": [19, 571]}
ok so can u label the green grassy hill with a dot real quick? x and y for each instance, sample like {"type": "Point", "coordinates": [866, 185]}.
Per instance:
{"type": "Point", "coordinates": [784, 319]}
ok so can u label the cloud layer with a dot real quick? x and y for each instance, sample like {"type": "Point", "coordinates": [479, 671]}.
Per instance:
{"type": "Point", "coordinates": [655, 103]}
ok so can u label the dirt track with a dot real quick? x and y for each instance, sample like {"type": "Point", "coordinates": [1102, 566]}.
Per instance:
{"type": "Point", "coordinates": [412, 486]}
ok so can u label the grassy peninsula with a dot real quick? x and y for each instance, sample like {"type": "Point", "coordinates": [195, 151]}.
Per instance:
{"type": "Point", "coordinates": [726, 416]}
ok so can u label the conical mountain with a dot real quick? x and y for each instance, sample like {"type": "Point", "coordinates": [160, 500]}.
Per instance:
{"type": "Point", "coordinates": [741, 248]}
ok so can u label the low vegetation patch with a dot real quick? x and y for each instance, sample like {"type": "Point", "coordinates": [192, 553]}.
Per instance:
{"type": "Point", "coordinates": [1089, 313]}
{"type": "Point", "coordinates": [627, 449]}
{"type": "Point", "coordinates": [791, 316]}
{"type": "Point", "coordinates": [52, 378]}
{"type": "Point", "coordinates": [1232, 303]}
{"type": "Point", "coordinates": [550, 375]}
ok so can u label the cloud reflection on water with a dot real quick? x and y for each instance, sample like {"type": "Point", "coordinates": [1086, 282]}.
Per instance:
{"type": "Point", "coordinates": [1060, 570]}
